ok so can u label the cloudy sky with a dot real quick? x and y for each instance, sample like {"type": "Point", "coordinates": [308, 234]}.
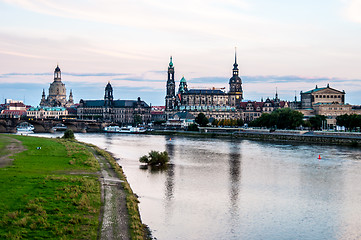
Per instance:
{"type": "Point", "coordinates": [283, 44]}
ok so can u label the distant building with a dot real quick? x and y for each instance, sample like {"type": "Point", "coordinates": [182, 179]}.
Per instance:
{"type": "Point", "coordinates": [57, 93]}
{"type": "Point", "coordinates": [252, 110]}
{"type": "Point", "coordinates": [214, 103]}
{"type": "Point", "coordinates": [157, 113]}
{"type": "Point", "coordinates": [46, 112]}
{"type": "Point", "coordinates": [119, 111]}
{"type": "Point", "coordinates": [180, 120]}
{"type": "Point", "coordinates": [325, 101]}
{"type": "Point", "coordinates": [13, 109]}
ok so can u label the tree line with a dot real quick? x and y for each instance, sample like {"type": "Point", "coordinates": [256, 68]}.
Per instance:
{"type": "Point", "coordinates": [283, 118]}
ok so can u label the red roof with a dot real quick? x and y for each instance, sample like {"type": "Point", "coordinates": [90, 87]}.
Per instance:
{"type": "Point", "coordinates": [13, 112]}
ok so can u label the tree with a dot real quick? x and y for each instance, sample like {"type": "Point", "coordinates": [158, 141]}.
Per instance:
{"type": "Point", "coordinates": [155, 158]}
{"type": "Point", "coordinates": [316, 121]}
{"type": "Point", "coordinates": [68, 134]}
{"type": "Point", "coordinates": [202, 120]}
{"type": "Point", "coordinates": [137, 119]}
{"type": "Point", "coordinates": [350, 122]}
{"type": "Point", "coordinates": [193, 127]}
{"type": "Point", "coordinates": [283, 118]}
{"type": "Point", "coordinates": [240, 122]}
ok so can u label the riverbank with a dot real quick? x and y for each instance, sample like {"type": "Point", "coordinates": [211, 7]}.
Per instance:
{"type": "Point", "coordinates": [65, 190]}
{"type": "Point", "coordinates": [317, 137]}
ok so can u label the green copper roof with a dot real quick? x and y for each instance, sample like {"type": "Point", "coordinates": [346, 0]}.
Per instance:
{"type": "Point", "coordinates": [315, 90]}
{"type": "Point", "coordinates": [183, 80]}
{"type": "Point", "coordinates": [171, 62]}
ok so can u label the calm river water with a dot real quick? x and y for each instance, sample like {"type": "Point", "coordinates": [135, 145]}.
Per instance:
{"type": "Point", "coordinates": [240, 189]}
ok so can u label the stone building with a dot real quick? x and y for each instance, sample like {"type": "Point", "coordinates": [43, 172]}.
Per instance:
{"type": "Point", "coordinates": [325, 101]}
{"type": "Point", "coordinates": [110, 110]}
{"type": "Point", "coordinates": [57, 93]}
{"type": "Point", "coordinates": [252, 109]}
{"type": "Point", "coordinates": [214, 103]}
{"type": "Point", "coordinates": [46, 112]}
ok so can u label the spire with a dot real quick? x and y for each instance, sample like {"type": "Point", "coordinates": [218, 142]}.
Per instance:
{"type": "Point", "coordinates": [235, 55]}
{"type": "Point", "coordinates": [43, 93]}
{"type": "Point", "coordinates": [171, 62]}
{"type": "Point", "coordinates": [235, 65]}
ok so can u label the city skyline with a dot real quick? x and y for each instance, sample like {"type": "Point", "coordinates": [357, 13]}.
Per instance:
{"type": "Point", "coordinates": [291, 47]}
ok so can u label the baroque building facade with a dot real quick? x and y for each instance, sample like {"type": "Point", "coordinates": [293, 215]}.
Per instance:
{"type": "Point", "coordinates": [57, 93]}
{"type": "Point", "coordinates": [325, 101]}
{"type": "Point", "coordinates": [214, 102]}
{"type": "Point", "coordinates": [110, 110]}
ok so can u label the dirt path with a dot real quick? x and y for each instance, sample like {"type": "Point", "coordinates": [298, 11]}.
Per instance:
{"type": "Point", "coordinates": [114, 211]}
{"type": "Point", "coordinates": [15, 146]}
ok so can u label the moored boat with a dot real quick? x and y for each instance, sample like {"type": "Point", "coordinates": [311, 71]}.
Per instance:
{"type": "Point", "coordinates": [128, 129]}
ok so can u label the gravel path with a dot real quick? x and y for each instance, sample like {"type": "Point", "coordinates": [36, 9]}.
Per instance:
{"type": "Point", "coordinates": [114, 211]}
{"type": "Point", "coordinates": [14, 147]}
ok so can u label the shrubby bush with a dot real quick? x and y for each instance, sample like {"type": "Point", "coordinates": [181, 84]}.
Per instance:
{"type": "Point", "coordinates": [68, 134]}
{"type": "Point", "coordinates": [155, 158]}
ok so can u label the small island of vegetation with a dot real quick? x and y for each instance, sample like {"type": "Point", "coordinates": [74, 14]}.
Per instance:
{"type": "Point", "coordinates": [155, 158]}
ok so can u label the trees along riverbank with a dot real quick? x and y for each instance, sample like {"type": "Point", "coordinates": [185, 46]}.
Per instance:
{"type": "Point", "coordinates": [52, 190]}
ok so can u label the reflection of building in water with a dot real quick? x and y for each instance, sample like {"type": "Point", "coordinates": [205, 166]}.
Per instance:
{"type": "Point", "coordinates": [234, 174]}
{"type": "Point", "coordinates": [169, 183]}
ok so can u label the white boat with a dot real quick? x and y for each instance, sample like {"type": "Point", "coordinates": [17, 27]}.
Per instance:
{"type": "Point", "coordinates": [60, 127]}
{"type": "Point", "coordinates": [129, 129]}
{"type": "Point", "coordinates": [25, 128]}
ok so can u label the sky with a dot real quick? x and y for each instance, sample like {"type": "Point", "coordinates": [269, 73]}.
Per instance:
{"type": "Point", "coordinates": [290, 46]}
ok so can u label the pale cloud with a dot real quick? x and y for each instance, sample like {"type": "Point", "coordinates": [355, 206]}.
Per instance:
{"type": "Point", "coordinates": [352, 10]}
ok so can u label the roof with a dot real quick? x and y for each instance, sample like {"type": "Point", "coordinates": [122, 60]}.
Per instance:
{"type": "Point", "coordinates": [205, 91]}
{"type": "Point", "coordinates": [47, 108]}
{"type": "Point", "coordinates": [183, 80]}
{"type": "Point", "coordinates": [116, 103]}
{"type": "Point", "coordinates": [13, 112]}
{"type": "Point", "coordinates": [314, 90]}
{"type": "Point", "coordinates": [319, 89]}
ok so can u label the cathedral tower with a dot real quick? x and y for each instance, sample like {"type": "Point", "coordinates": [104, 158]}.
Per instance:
{"type": "Point", "coordinates": [57, 91]}
{"type": "Point", "coordinates": [235, 86]}
{"type": "Point", "coordinates": [170, 97]}
{"type": "Point", "coordinates": [108, 96]}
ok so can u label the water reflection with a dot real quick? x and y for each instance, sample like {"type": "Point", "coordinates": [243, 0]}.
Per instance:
{"type": "Point", "coordinates": [169, 183]}
{"type": "Point", "coordinates": [223, 189]}
{"type": "Point", "coordinates": [234, 162]}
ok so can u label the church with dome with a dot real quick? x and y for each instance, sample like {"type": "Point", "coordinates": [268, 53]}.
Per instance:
{"type": "Point", "coordinates": [57, 93]}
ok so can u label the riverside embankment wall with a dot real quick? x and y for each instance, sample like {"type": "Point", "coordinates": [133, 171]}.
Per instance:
{"type": "Point", "coordinates": [333, 138]}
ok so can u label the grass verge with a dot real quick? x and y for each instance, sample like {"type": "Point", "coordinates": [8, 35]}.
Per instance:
{"type": "Point", "coordinates": [51, 190]}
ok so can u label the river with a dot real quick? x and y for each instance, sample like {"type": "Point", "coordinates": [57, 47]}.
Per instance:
{"type": "Point", "coordinates": [241, 189]}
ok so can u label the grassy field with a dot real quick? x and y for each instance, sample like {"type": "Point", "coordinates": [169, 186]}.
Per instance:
{"type": "Point", "coordinates": [52, 192]}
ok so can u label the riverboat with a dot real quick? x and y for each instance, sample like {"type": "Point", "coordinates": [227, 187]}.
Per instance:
{"type": "Point", "coordinates": [60, 127]}
{"type": "Point", "coordinates": [129, 129]}
{"type": "Point", "coordinates": [25, 128]}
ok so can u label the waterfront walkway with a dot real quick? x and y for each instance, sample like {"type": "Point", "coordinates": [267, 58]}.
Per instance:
{"type": "Point", "coordinates": [114, 213]}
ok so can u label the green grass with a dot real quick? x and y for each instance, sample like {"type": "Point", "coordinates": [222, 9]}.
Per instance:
{"type": "Point", "coordinates": [52, 192]}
